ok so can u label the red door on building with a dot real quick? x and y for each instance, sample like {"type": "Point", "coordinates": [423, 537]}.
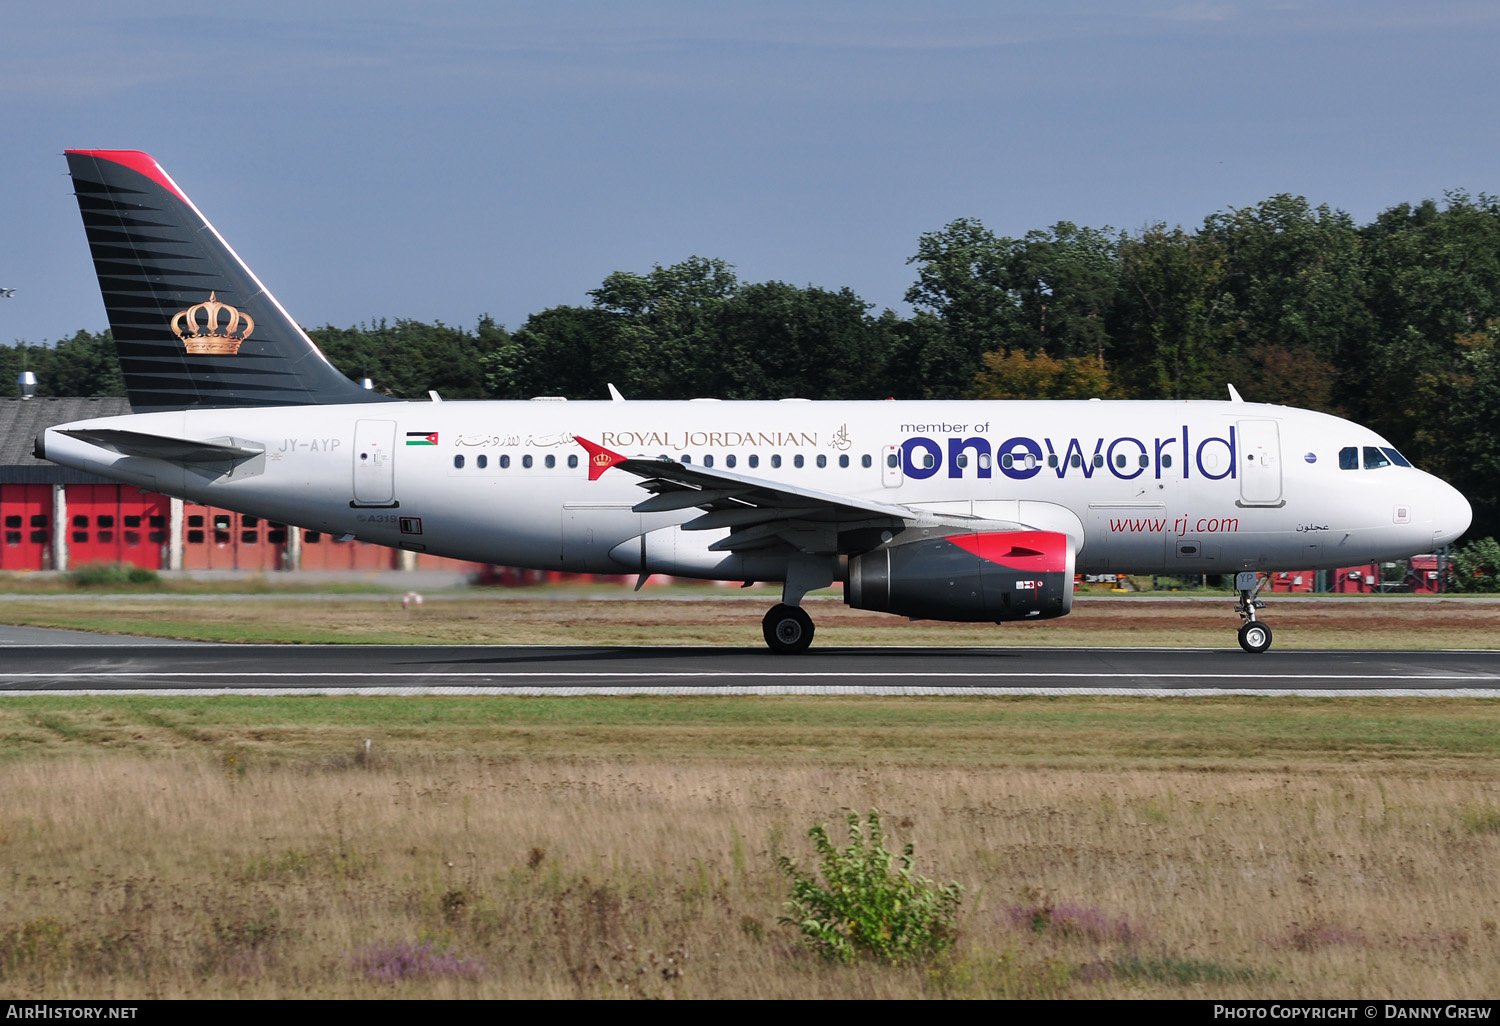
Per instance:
{"type": "Point", "coordinates": [25, 526]}
{"type": "Point", "coordinates": [116, 524]}
{"type": "Point", "coordinates": [220, 539]}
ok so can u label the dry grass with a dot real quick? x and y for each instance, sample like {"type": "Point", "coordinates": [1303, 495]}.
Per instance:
{"type": "Point", "coordinates": [191, 875]}
{"type": "Point", "coordinates": [714, 618]}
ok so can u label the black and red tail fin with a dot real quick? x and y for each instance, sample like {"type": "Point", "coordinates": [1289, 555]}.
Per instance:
{"type": "Point", "coordinates": [193, 326]}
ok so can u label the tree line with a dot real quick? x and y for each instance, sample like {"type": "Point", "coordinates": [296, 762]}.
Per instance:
{"type": "Point", "coordinates": [1394, 324]}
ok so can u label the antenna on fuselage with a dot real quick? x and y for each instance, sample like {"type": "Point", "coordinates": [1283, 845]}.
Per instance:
{"type": "Point", "coordinates": [614, 394]}
{"type": "Point", "coordinates": [1234, 396]}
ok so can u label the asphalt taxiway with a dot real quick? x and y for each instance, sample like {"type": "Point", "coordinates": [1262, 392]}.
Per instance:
{"type": "Point", "coordinates": [37, 661]}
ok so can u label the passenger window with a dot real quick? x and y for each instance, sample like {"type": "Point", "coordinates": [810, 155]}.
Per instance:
{"type": "Point", "coordinates": [526, 462]}
{"type": "Point", "coordinates": [928, 461]}
{"type": "Point", "coordinates": [1145, 460]}
{"type": "Point", "coordinates": [504, 462]}
{"type": "Point", "coordinates": [1007, 461]}
{"type": "Point", "coordinates": [1166, 459]}
{"type": "Point", "coordinates": [708, 461]}
{"type": "Point", "coordinates": [865, 461]}
{"type": "Point", "coordinates": [572, 462]}
{"type": "Point", "coordinates": [984, 461]}
{"type": "Point", "coordinates": [844, 461]}
{"type": "Point", "coordinates": [963, 459]}
{"type": "Point", "coordinates": [892, 460]}
{"type": "Point", "coordinates": [1396, 458]}
{"type": "Point", "coordinates": [798, 461]}
{"type": "Point", "coordinates": [776, 461]}
{"type": "Point", "coordinates": [481, 461]}
{"type": "Point", "coordinates": [1098, 459]}
{"type": "Point", "coordinates": [1374, 458]}
{"type": "Point", "coordinates": [458, 462]}
{"type": "Point", "coordinates": [1075, 460]}
{"type": "Point", "coordinates": [687, 459]}
{"type": "Point", "coordinates": [1052, 460]}
{"type": "Point", "coordinates": [1349, 458]}
{"type": "Point", "coordinates": [1120, 461]}
{"type": "Point", "coordinates": [729, 461]}
{"type": "Point", "coordinates": [551, 462]}
{"type": "Point", "coordinates": [822, 461]}
{"type": "Point", "coordinates": [754, 461]}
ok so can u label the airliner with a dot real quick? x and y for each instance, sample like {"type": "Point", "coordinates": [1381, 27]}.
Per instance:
{"type": "Point", "coordinates": [972, 511]}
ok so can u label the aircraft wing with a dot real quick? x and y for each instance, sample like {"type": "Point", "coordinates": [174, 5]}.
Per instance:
{"type": "Point", "coordinates": [163, 447]}
{"type": "Point", "coordinates": [758, 513]}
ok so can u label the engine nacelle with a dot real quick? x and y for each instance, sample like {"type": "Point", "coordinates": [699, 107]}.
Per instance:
{"type": "Point", "coordinates": [971, 577]}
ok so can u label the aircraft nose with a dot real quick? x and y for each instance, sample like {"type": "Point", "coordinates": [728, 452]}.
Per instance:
{"type": "Point", "coordinates": [1452, 513]}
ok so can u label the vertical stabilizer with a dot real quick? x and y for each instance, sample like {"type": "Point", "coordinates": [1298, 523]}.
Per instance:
{"type": "Point", "coordinates": [193, 326]}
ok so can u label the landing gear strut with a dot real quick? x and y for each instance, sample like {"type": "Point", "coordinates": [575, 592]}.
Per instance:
{"type": "Point", "coordinates": [1255, 636]}
{"type": "Point", "coordinates": [788, 629]}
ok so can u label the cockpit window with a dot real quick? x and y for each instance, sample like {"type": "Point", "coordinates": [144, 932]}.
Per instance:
{"type": "Point", "coordinates": [1396, 458]}
{"type": "Point", "coordinates": [1375, 459]}
{"type": "Point", "coordinates": [1349, 457]}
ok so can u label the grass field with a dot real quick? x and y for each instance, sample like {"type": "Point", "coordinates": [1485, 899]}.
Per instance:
{"type": "Point", "coordinates": [521, 847]}
{"type": "Point", "coordinates": [625, 847]}
{"type": "Point", "coordinates": [711, 616]}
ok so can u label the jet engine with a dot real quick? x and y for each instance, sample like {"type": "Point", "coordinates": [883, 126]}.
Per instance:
{"type": "Point", "coordinates": [972, 577]}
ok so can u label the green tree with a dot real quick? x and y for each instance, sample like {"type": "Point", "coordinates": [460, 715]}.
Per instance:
{"type": "Point", "coordinates": [83, 365]}
{"type": "Point", "coordinates": [665, 336]}
{"type": "Point", "coordinates": [963, 283]}
{"type": "Point", "coordinates": [1065, 281]}
{"type": "Point", "coordinates": [408, 358]}
{"type": "Point", "coordinates": [774, 341]}
{"type": "Point", "coordinates": [1172, 318]}
{"type": "Point", "coordinates": [1296, 276]}
{"type": "Point", "coordinates": [1015, 375]}
{"type": "Point", "coordinates": [564, 350]}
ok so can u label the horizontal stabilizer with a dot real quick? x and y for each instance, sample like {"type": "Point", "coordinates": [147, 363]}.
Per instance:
{"type": "Point", "coordinates": [161, 447]}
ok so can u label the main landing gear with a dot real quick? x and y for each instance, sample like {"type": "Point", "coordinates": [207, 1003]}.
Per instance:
{"type": "Point", "coordinates": [788, 629]}
{"type": "Point", "coordinates": [1255, 636]}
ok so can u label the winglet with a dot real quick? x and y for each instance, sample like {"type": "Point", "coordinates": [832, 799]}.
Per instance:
{"type": "Point", "coordinates": [600, 458]}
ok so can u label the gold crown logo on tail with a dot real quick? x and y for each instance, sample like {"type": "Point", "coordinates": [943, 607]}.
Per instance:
{"type": "Point", "coordinates": [201, 332]}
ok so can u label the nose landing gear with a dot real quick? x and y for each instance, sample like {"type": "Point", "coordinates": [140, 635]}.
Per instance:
{"type": "Point", "coordinates": [1255, 636]}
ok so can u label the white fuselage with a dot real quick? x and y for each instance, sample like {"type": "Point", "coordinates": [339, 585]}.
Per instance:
{"type": "Point", "coordinates": [1142, 487]}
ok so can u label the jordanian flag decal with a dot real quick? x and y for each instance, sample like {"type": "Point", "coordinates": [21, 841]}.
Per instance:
{"type": "Point", "coordinates": [421, 438]}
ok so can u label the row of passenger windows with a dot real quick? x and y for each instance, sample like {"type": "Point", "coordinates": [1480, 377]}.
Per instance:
{"type": "Point", "coordinates": [482, 461]}
{"type": "Point", "coordinates": [1375, 457]}
{"type": "Point", "coordinates": [892, 460]}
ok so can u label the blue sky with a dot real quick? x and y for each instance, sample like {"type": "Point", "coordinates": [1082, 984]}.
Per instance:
{"type": "Point", "coordinates": [442, 160]}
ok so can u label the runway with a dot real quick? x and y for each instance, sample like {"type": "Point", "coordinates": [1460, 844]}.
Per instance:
{"type": "Point", "coordinates": [34, 661]}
